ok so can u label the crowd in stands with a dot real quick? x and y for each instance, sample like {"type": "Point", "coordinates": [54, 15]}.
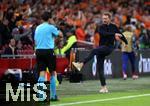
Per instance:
{"type": "Point", "coordinates": [19, 18]}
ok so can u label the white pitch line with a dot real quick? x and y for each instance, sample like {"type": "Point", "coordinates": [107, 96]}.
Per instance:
{"type": "Point", "coordinates": [101, 100]}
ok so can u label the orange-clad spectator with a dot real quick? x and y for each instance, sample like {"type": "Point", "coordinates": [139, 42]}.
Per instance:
{"type": "Point", "coordinates": [137, 32]}
{"type": "Point", "coordinates": [70, 21]}
{"type": "Point", "coordinates": [96, 39]}
{"type": "Point", "coordinates": [147, 24]}
{"type": "Point", "coordinates": [3, 6]}
{"type": "Point", "coordinates": [78, 22]}
{"type": "Point", "coordinates": [117, 21]}
{"type": "Point", "coordinates": [83, 5]}
{"type": "Point", "coordinates": [80, 33]}
{"type": "Point", "coordinates": [49, 1]}
{"type": "Point", "coordinates": [76, 13]}
{"type": "Point", "coordinates": [146, 19]}
{"type": "Point", "coordinates": [94, 1]}
{"type": "Point", "coordinates": [124, 19]}
{"type": "Point", "coordinates": [137, 15]}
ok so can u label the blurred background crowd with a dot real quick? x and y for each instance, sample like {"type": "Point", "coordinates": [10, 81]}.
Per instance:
{"type": "Point", "coordinates": [19, 18]}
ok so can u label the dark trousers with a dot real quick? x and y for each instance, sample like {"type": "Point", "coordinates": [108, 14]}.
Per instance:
{"type": "Point", "coordinates": [101, 52]}
{"type": "Point", "coordinates": [125, 57]}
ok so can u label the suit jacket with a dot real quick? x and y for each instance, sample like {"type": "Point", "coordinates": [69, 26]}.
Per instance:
{"type": "Point", "coordinates": [9, 51]}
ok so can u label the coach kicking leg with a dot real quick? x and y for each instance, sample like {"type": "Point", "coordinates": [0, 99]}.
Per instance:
{"type": "Point", "coordinates": [109, 33]}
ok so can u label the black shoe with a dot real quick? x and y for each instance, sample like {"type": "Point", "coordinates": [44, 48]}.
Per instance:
{"type": "Point", "coordinates": [54, 99]}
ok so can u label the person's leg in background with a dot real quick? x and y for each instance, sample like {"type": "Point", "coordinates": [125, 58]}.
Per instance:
{"type": "Point", "coordinates": [52, 67]}
{"type": "Point", "coordinates": [41, 66]}
{"type": "Point", "coordinates": [132, 60]}
{"type": "Point", "coordinates": [41, 79]}
{"type": "Point", "coordinates": [53, 94]}
{"type": "Point", "coordinates": [100, 69]}
{"type": "Point", "coordinates": [124, 64]}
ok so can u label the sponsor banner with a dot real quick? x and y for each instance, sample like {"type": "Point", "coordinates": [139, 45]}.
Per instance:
{"type": "Point", "coordinates": [113, 64]}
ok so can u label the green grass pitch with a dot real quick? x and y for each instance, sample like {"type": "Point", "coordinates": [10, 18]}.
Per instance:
{"type": "Point", "coordinates": [121, 93]}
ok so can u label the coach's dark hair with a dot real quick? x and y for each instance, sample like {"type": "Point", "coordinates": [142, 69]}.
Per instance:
{"type": "Point", "coordinates": [46, 15]}
{"type": "Point", "coordinates": [108, 14]}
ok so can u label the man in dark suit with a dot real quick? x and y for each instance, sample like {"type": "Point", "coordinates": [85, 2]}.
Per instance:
{"type": "Point", "coordinates": [11, 49]}
{"type": "Point", "coordinates": [109, 33]}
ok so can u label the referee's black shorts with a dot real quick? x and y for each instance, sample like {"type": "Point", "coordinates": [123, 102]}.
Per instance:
{"type": "Point", "coordinates": [45, 58]}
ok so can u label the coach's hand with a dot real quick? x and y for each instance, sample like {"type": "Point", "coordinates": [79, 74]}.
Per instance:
{"type": "Point", "coordinates": [117, 36]}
